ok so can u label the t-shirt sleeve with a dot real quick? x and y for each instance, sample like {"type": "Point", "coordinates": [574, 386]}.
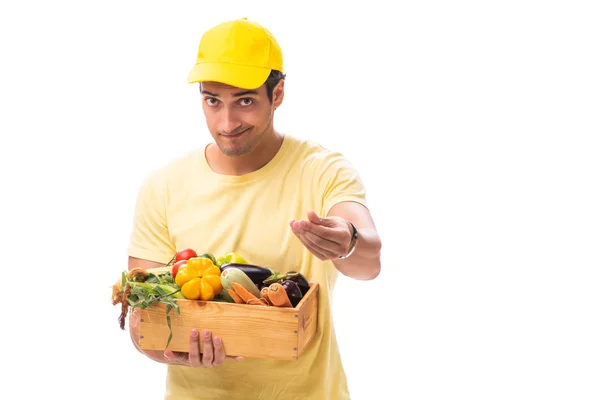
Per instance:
{"type": "Point", "coordinates": [150, 239]}
{"type": "Point", "coordinates": [339, 181]}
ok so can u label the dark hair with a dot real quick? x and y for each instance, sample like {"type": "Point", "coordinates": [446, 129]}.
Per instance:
{"type": "Point", "coordinates": [272, 81]}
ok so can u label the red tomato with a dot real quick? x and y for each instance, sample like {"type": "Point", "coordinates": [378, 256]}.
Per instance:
{"type": "Point", "coordinates": [176, 266]}
{"type": "Point", "coordinates": [185, 254]}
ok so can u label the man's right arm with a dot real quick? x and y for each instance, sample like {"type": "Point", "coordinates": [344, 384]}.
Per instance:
{"type": "Point", "coordinates": [134, 327]}
{"type": "Point", "coordinates": [139, 263]}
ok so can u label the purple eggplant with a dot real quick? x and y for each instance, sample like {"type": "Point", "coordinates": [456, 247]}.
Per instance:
{"type": "Point", "coordinates": [293, 276]}
{"type": "Point", "coordinates": [255, 272]}
{"type": "Point", "coordinates": [300, 281]}
{"type": "Point", "coordinates": [293, 291]}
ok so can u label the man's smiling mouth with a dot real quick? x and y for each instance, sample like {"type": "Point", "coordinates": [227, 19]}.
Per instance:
{"type": "Point", "coordinates": [237, 134]}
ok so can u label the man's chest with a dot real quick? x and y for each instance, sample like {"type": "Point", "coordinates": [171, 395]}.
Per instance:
{"type": "Point", "coordinates": [252, 222]}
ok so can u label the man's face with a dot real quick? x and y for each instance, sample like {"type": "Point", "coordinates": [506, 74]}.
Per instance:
{"type": "Point", "coordinates": [237, 118]}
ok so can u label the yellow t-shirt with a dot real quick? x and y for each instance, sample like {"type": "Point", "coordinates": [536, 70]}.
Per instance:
{"type": "Point", "coordinates": [187, 204]}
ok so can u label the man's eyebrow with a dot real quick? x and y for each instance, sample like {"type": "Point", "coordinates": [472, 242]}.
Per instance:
{"type": "Point", "coordinates": [245, 93]}
{"type": "Point", "coordinates": [209, 93]}
{"type": "Point", "coordinates": [238, 94]}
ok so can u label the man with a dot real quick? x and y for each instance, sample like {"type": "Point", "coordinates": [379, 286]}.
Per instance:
{"type": "Point", "coordinates": [279, 201]}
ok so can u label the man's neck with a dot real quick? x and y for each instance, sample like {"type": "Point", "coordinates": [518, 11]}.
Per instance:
{"type": "Point", "coordinates": [241, 165]}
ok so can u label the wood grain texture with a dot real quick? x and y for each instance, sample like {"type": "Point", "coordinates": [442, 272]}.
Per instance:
{"type": "Point", "coordinates": [307, 318]}
{"type": "Point", "coordinates": [246, 330]}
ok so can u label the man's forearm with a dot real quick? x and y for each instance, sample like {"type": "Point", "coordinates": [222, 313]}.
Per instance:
{"type": "Point", "coordinates": [365, 261]}
{"type": "Point", "coordinates": [155, 355]}
{"type": "Point", "coordinates": [134, 334]}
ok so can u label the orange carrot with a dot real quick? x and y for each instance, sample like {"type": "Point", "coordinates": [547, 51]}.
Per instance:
{"type": "Point", "coordinates": [235, 296]}
{"type": "Point", "coordinates": [257, 302]}
{"type": "Point", "coordinates": [278, 296]}
{"type": "Point", "coordinates": [264, 293]}
{"type": "Point", "coordinates": [242, 292]}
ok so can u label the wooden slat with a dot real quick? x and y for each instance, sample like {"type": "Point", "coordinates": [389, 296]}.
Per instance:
{"type": "Point", "coordinates": [307, 318]}
{"type": "Point", "coordinates": [249, 331]}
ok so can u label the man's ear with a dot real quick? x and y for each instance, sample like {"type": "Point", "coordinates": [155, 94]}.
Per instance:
{"type": "Point", "coordinates": [278, 93]}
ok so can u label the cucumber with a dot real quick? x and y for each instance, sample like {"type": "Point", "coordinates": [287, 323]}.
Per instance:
{"type": "Point", "coordinates": [224, 296]}
{"type": "Point", "coordinates": [231, 275]}
{"type": "Point", "coordinates": [210, 257]}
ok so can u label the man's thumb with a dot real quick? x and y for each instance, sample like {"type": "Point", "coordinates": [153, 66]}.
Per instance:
{"type": "Point", "coordinates": [171, 356]}
{"type": "Point", "coordinates": [315, 219]}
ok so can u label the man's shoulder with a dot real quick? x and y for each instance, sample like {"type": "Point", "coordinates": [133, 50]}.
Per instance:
{"type": "Point", "coordinates": [178, 165]}
{"type": "Point", "coordinates": [309, 150]}
{"type": "Point", "coordinates": [317, 157]}
{"type": "Point", "coordinates": [184, 160]}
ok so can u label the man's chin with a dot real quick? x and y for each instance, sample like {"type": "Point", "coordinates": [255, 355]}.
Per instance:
{"type": "Point", "coordinates": [234, 151]}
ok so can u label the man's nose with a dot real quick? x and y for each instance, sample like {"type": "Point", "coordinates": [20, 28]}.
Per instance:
{"type": "Point", "coordinates": [229, 121]}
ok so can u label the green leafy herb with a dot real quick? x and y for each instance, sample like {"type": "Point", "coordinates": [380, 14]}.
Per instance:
{"type": "Point", "coordinates": [123, 281]}
{"type": "Point", "coordinates": [155, 289]}
{"type": "Point", "coordinates": [168, 278]}
{"type": "Point", "coordinates": [170, 330]}
{"type": "Point", "coordinates": [152, 278]}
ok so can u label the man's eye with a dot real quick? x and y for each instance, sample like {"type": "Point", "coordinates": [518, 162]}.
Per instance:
{"type": "Point", "coordinates": [246, 102]}
{"type": "Point", "coordinates": [211, 101]}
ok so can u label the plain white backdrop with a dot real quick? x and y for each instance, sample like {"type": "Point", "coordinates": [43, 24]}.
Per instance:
{"type": "Point", "coordinates": [473, 124]}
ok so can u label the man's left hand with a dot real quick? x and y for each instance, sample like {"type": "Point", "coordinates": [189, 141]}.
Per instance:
{"type": "Point", "coordinates": [327, 238]}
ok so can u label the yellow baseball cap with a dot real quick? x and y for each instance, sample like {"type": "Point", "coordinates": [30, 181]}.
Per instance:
{"type": "Point", "coordinates": [239, 53]}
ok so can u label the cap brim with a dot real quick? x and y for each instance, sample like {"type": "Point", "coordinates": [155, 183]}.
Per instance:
{"type": "Point", "coordinates": [241, 76]}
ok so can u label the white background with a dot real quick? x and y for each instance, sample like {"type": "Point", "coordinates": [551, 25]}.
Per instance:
{"type": "Point", "coordinates": [473, 124]}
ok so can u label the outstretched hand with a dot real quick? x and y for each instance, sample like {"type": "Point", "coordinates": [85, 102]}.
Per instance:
{"type": "Point", "coordinates": [213, 355]}
{"type": "Point", "coordinates": [327, 238]}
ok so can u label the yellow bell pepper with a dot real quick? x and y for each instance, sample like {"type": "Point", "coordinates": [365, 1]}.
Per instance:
{"type": "Point", "coordinates": [199, 279]}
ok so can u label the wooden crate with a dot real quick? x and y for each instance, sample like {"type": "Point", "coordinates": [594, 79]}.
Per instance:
{"type": "Point", "coordinates": [246, 330]}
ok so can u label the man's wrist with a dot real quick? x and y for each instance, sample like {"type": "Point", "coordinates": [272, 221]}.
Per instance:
{"type": "Point", "coordinates": [353, 242]}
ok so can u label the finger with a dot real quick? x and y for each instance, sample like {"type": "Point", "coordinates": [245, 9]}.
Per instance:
{"type": "Point", "coordinates": [299, 234]}
{"type": "Point", "coordinates": [326, 238]}
{"type": "Point", "coordinates": [236, 358]}
{"type": "Point", "coordinates": [219, 351]}
{"type": "Point", "coordinates": [194, 355]}
{"type": "Point", "coordinates": [310, 247]}
{"type": "Point", "coordinates": [176, 357]}
{"type": "Point", "coordinates": [314, 218]}
{"type": "Point", "coordinates": [328, 248]}
{"type": "Point", "coordinates": [320, 230]}
{"type": "Point", "coordinates": [207, 347]}
{"type": "Point", "coordinates": [323, 246]}
{"type": "Point", "coordinates": [299, 227]}
{"type": "Point", "coordinates": [334, 232]}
